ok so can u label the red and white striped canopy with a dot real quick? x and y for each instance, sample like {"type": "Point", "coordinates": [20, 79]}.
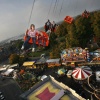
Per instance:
{"type": "Point", "coordinates": [81, 73]}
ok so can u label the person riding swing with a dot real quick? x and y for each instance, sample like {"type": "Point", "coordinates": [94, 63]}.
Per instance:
{"type": "Point", "coordinates": [31, 34]}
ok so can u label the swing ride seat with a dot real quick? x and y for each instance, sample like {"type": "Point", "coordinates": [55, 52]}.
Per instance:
{"type": "Point", "coordinates": [85, 14]}
{"type": "Point", "coordinates": [44, 39]}
{"type": "Point", "coordinates": [68, 19]}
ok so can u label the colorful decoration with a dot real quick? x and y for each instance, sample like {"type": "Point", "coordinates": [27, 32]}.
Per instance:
{"type": "Point", "coordinates": [61, 72]}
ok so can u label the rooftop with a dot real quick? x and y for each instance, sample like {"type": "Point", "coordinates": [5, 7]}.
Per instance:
{"type": "Point", "coordinates": [50, 89]}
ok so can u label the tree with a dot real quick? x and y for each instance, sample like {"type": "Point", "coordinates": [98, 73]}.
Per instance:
{"type": "Point", "coordinates": [19, 44]}
{"type": "Point", "coordinates": [83, 30]}
{"type": "Point", "coordinates": [71, 37]}
{"type": "Point", "coordinates": [52, 39]}
{"type": "Point", "coordinates": [14, 58]}
{"type": "Point", "coordinates": [77, 34]}
{"type": "Point", "coordinates": [61, 30]}
{"type": "Point", "coordinates": [95, 20]}
{"type": "Point", "coordinates": [55, 53]}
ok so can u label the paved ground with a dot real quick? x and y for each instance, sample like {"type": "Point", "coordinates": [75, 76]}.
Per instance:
{"type": "Point", "coordinates": [4, 62]}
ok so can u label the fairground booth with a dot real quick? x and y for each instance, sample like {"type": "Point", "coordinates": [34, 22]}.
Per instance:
{"type": "Point", "coordinates": [74, 56]}
{"type": "Point", "coordinates": [53, 62]}
{"type": "Point", "coordinates": [50, 89]}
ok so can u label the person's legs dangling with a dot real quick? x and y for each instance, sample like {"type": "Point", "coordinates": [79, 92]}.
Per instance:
{"type": "Point", "coordinates": [34, 44]}
{"type": "Point", "coordinates": [25, 42]}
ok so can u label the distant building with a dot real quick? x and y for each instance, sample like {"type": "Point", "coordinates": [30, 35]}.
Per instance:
{"type": "Point", "coordinates": [9, 89]}
{"type": "Point", "coordinates": [50, 89]}
{"type": "Point", "coordinates": [42, 60]}
{"type": "Point", "coordinates": [53, 62]}
{"type": "Point", "coordinates": [74, 55]}
{"type": "Point", "coordinates": [29, 64]}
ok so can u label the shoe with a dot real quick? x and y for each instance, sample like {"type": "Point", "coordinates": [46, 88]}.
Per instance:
{"type": "Point", "coordinates": [43, 47]}
{"type": "Point", "coordinates": [22, 48]}
{"type": "Point", "coordinates": [33, 49]}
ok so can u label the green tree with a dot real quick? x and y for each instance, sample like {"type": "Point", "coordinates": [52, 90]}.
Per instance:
{"type": "Point", "coordinates": [62, 29]}
{"type": "Point", "coordinates": [52, 39]}
{"type": "Point", "coordinates": [79, 33]}
{"type": "Point", "coordinates": [71, 38]}
{"type": "Point", "coordinates": [19, 44]}
{"type": "Point", "coordinates": [83, 30]}
{"type": "Point", "coordinates": [55, 53]}
{"type": "Point", "coordinates": [14, 58]}
{"type": "Point", "coordinates": [95, 21]}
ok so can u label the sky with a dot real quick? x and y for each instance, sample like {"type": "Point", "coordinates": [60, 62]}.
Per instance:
{"type": "Point", "coordinates": [15, 14]}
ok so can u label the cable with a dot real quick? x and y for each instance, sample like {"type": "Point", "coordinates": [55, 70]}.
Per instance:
{"type": "Point", "coordinates": [96, 95]}
{"type": "Point", "coordinates": [89, 83]}
{"type": "Point", "coordinates": [31, 12]}
{"type": "Point", "coordinates": [55, 5]}
{"type": "Point", "coordinates": [61, 8]}
{"type": "Point", "coordinates": [75, 7]}
{"type": "Point", "coordinates": [95, 90]}
{"type": "Point", "coordinates": [49, 9]}
{"type": "Point", "coordinates": [87, 90]}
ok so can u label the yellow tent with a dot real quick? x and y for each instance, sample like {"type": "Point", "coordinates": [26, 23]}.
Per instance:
{"type": "Point", "coordinates": [29, 64]}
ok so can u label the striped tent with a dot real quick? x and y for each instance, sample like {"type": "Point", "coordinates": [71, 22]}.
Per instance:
{"type": "Point", "coordinates": [81, 73]}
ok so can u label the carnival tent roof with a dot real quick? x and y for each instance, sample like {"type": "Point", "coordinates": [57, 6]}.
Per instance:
{"type": "Point", "coordinates": [53, 60]}
{"type": "Point", "coordinates": [28, 63]}
{"type": "Point", "coordinates": [7, 72]}
{"type": "Point", "coordinates": [61, 71]}
{"type": "Point", "coordinates": [81, 73]}
{"type": "Point", "coordinates": [41, 61]}
{"type": "Point", "coordinates": [43, 77]}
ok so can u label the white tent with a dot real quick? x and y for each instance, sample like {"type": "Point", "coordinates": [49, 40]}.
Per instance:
{"type": "Point", "coordinates": [9, 71]}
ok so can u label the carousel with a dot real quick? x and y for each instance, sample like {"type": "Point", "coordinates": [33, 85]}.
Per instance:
{"type": "Point", "coordinates": [81, 73]}
{"type": "Point", "coordinates": [84, 76]}
{"type": "Point", "coordinates": [75, 54]}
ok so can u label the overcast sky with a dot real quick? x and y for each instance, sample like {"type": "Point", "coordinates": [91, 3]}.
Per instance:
{"type": "Point", "coordinates": [14, 14]}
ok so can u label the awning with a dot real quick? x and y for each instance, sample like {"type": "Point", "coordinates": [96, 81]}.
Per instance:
{"type": "Point", "coordinates": [7, 72]}
{"type": "Point", "coordinates": [53, 60]}
{"type": "Point", "coordinates": [81, 73]}
{"type": "Point", "coordinates": [28, 63]}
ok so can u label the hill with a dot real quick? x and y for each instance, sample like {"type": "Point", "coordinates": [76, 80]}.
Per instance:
{"type": "Point", "coordinates": [82, 32]}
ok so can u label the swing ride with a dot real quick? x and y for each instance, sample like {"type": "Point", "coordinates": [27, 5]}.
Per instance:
{"type": "Point", "coordinates": [43, 40]}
